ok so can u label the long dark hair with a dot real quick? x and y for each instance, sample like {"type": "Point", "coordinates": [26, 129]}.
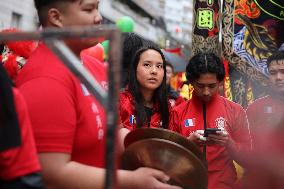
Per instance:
{"type": "Point", "coordinates": [160, 94]}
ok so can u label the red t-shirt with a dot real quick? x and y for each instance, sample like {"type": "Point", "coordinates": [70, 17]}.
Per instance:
{"type": "Point", "coordinates": [64, 116]}
{"type": "Point", "coordinates": [127, 112]}
{"type": "Point", "coordinates": [265, 115]}
{"type": "Point", "coordinates": [266, 119]}
{"type": "Point", "coordinates": [176, 101]}
{"type": "Point", "coordinates": [22, 160]}
{"type": "Point", "coordinates": [221, 113]}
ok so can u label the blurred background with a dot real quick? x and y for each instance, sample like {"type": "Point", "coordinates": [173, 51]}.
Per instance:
{"type": "Point", "coordinates": [166, 22]}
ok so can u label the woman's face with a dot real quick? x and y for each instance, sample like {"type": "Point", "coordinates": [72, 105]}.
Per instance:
{"type": "Point", "coordinates": [150, 70]}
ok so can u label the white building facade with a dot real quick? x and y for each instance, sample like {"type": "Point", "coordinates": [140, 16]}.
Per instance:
{"type": "Point", "coordinates": [17, 14]}
{"type": "Point", "coordinates": [113, 10]}
{"type": "Point", "coordinates": [178, 15]}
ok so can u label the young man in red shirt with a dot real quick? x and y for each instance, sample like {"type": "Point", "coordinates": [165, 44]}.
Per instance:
{"type": "Point", "coordinates": [69, 123]}
{"type": "Point", "coordinates": [205, 72]}
{"type": "Point", "coordinates": [266, 119]}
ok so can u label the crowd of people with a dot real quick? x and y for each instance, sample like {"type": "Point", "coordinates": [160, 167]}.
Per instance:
{"type": "Point", "coordinates": [53, 131]}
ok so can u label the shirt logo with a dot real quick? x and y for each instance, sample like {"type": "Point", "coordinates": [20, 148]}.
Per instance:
{"type": "Point", "coordinates": [95, 108]}
{"type": "Point", "coordinates": [189, 122]}
{"type": "Point", "coordinates": [132, 119]}
{"type": "Point", "coordinates": [268, 109]}
{"type": "Point", "coordinates": [220, 123]}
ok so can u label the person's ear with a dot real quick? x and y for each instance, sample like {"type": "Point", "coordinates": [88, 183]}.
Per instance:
{"type": "Point", "coordinates": [55, 18]}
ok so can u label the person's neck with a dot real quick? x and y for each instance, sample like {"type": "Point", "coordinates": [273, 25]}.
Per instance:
{"type": "Point", "coordinates": [277, 95]}
{"type": "Point", "coordinates": [147, 98]}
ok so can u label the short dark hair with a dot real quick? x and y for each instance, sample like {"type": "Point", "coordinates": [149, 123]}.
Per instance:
{"type": "Point", "coordinates": [203, 63]}
{"type": "Point", "coordinates": [170, 65]}
{"type": "Point", "coordinates": [277, 55]}
{"type": "Point", "coordinates": [160, 94]}
{"type": "Point", "coordinates": [42, 7]}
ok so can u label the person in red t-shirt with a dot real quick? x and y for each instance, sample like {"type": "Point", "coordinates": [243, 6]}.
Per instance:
{"type": "Point", "coordinates": [144, 101]}
{"type": "Point", "coordinates": [19, 166]}
{"type": "Point", "coordinates": [174, 97]}
{"type": "Point", "coordinates": [266, 119]}
{"type": "Point", "coordinates": [205, 72]}
{"type": "Point", "coordinates": [69, 123]}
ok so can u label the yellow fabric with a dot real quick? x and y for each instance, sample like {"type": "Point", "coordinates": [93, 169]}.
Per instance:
{"type": "Point", "coordinates": [227, 88]}
{"type": "Point", "coordinates": [239, 169]}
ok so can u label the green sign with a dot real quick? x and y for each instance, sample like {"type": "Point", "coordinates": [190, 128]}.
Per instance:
{"type": "Point", "coordinates": [205, 18]}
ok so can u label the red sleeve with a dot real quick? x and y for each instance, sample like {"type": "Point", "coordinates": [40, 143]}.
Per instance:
{"type": "Point", "coordinates": [179, 100]}
{"type": "Point", "coordinates": [253, 119]}
{"type": "Point", "coordinates": [125, 112]}
{"type": "Point", "coordinates": [21, 160]}
{"type": "Point", "coordinates": [240, 133]}
{"type": "Point", "coordinates": [252, 114]}
{"type": "Point", "coordinates": [53, 113]}
{"type": "Point", "coordinates": [174, 121]}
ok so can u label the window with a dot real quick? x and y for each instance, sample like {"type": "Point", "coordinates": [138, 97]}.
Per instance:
{"type": "Point", "coordinates": [16, 20]}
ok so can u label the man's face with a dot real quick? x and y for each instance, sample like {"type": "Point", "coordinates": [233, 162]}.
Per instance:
{"type": "Point", "coordinates": [169, 74]}
{"type": "Point", "coordinates": [276, 75]}
{"type": "Point", "coordinates": [81, 12]}
{"type": "Point", "coordinates": [206, 86]}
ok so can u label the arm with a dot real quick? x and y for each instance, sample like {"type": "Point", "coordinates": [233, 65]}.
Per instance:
{"type": "Point", "coordinates": [122, 132]}
{"type": "Point", "coordinates": [175, 125]}
{"type": "Point", "coordinates": [174, 121]}
{"type": "Point", "coordinates": [52, 111]}
{"type": "Point", "coordinates": [236, 139]}
{"type": "Point", "coordinates": [126, 111]}
{"type": "Point", "coordinates": [252, 115]}
{"type": "Point", "coordinates": [20, 165]}
{"type": "Point", "coordinates": [240, 145]}
{"type": "Point", "coordinates": [60, 173]}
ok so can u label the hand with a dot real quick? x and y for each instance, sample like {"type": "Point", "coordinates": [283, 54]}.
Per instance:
{"type": "Point", "coordinates": [151, 179]}
{"type": "Point", "coordinates": [197, 137]}
{"type": "Point", "coordinates": [221, 138]}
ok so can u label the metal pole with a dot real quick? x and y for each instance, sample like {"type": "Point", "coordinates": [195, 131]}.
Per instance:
{"type": "Point", "coordinates": [112, 121]}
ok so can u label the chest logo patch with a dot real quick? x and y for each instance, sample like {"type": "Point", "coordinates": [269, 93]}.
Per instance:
{"type": "Point", "coordinates": [189, 122]}
{"type": "Point", "coordinates": [220, 123]}
{"type": "Point", "coordinates": [268, 110]}
{"type": "Point", "coordinates": [132, 119]}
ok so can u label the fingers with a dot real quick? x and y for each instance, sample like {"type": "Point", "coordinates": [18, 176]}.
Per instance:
{"type": "Point", "coordinates": [218, 139]}
{"type": "Point", "coordinates": [161, 179]}
{"type": "Point", "coordinates": [159, 175]}
{"type": "Point", "coordinates": [222, 133]}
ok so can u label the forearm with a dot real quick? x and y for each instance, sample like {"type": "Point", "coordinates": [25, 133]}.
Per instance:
{"type": "Point", "coordinates": [122, 132]}
{"type": "Point", "coordinates": [238, 152]}
{"type": "Point", "coordinates": [74, 175]}
{"type": "Point", "coordinates": [124, 180]}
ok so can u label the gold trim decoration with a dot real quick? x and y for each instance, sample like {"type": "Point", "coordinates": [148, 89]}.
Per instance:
{"type": "Point", "coordinates": [201, 44]}
{"type": "Point", "coordinates": [228, 50]}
